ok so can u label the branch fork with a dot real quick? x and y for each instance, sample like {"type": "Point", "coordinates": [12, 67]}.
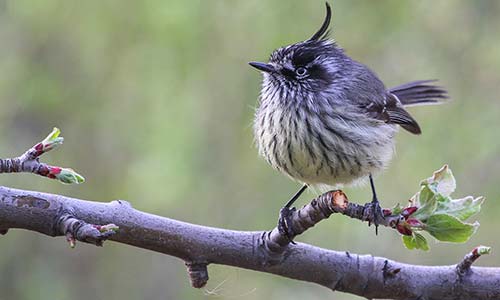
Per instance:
{"type": "Point", "coordinates": [322, 208]}
{"type": "Point", "coordinates": [29, 161]}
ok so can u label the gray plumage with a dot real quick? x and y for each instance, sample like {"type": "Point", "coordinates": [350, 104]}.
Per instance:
{"type": "Point", "coordinates": [327, 120]}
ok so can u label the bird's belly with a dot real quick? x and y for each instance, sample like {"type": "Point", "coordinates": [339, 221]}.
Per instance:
{"type": "Point", "coordinates": [335, 166]}
{"type": "Point", "coordinates": [309, 153]}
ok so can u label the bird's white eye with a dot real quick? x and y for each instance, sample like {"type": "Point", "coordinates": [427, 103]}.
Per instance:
{"type": "Point", "coordinates": [301, 71]}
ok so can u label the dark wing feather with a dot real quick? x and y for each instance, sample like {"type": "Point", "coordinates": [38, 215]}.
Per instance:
{"type": "Point", "coordinates": [392, 111]}
{"type": "Point", "coordinates": [370, 94]}
{"type": "Point", "coordinates": [398, 115]}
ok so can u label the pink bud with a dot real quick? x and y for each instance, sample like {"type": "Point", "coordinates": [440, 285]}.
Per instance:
{"type": "Point", "coordinates": [408, 211]}
{"type": "Point", "coordinates": [55, 170]}
{"type": "Point", "coordinates": [387, 212]}
{"type": "Point", "coordinates": [404, 229]}
{"type": "Point", "coordinates": [414, 222]}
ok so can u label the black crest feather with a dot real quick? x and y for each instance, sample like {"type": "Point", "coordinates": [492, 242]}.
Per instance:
{"type": "Point", "coordinates": [323, 30]}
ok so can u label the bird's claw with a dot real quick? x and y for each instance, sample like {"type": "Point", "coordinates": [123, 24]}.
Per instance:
{"type": "Point", "coordinates": [285, 223]}
{"type": "Point", "coordinates": [373, 214]}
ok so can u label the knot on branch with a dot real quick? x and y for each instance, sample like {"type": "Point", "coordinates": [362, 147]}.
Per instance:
{"type": "Point", "coordinates": [463, 268]}
{"type": "Point", "coordinates": [198, 274]}
{"type": "Point", "coordinates": [77, 230]}
{"type": "Point", "coordinates": [388, 271]}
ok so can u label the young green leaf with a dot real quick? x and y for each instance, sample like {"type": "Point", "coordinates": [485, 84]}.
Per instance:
{"type": "Point", "coordinates": [52, 140]}
{"type": "Point", "coordinates": [448, 228]}
{"type": "Point", "coordinates": [69, 176]}
{"type": "Point", "coordinates": [462, 208]}
{"type": "Point", "coordinates": [427, 202]}
{"type": "Point", "coordinates": [415, 241]}
{"type": "Point", "coordinates": [397, 209]}
{"type": "Point", "coordinates": [438, 213]}
{"type": "Point", "coordinates": [442, 181]}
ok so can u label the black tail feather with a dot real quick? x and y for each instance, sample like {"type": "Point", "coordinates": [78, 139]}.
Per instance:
{"type": "Point", "coordinates": [419, 92]}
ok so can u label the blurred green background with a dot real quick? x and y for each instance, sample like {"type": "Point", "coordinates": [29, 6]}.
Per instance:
{"type": "Point", "coordinates": [155, 100]}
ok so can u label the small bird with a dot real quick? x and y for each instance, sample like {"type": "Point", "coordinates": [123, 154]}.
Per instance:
{"type": "Point", "coordinates": [327, 121]}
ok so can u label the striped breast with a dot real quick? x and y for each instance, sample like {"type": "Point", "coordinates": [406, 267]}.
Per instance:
{"type": "Point", "coordinates": [321, 146]}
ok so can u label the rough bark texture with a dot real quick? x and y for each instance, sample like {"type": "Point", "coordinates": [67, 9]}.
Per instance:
{"type": "Point", "coordinates": [363, 275]}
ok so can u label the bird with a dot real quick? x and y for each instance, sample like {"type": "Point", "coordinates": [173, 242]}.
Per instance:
{"type": "Point", "coordinates": [327, 120]}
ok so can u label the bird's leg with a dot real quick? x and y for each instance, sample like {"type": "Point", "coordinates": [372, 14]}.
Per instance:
{"type": "Point", "coordinates": [375, 213]}
{"type": "Point", "coordinates": [285, 218]}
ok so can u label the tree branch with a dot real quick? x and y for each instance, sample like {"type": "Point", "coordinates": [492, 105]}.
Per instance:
{"type": "Point", "coordinates": [198, 246]}
{"type": "Point", "coordinates": [465, 265]}
{"type": "Point", "coordinates": [29, 161]}
{"type": "Point", "coordinates": [271, 252]}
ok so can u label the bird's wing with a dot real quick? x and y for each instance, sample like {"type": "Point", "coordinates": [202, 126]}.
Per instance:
{"type": "Point", "coordinates": [390, 110]}
{"type": "Point", "coordinates": [368, 93]}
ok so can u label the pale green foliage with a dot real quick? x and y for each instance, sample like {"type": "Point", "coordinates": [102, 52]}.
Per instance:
{"type": "Point", "coordinates": [442, 216]}
{"type": "Point", "coordinates": [52, 140]}
{"type": "Point", "coordinates": [482, 250]}
{"type": "Point", "coordinates": [415, 241]}
{"type": "Point", "coordinates": [449, 229]}
{"type": "Point", "coordinates": [69, 176]}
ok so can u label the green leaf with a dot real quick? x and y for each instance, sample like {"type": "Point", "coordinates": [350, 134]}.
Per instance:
{"type": "Point", "coordinates": [442, 181]}
{"type": "Point", "coordinates": [396, 209]}
{"type": "Point", "coordinates": [425, 194]}
{"type": "Point", "coordinates": [409, 242]}
{"type": "Point", "coordinates": [69, 176]}
{"type": "Point", "coordinates": [54, 134]}
{"type": "Point", "coordinates": [415, 241]}
{"type": "Point", "coordinates": [427, 203]}
{"type": "Point", "coordinates": [482, 250]}
{"type": "Point", "coordinates": [442, 216]}
{"type": "Point", "coordinates": [52, 140]}
{"type": "Point", "coordinates": [462, 208]}
{"type": "Point", "coordinates": [448, 228]}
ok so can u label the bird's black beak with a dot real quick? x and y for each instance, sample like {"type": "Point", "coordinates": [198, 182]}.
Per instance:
{"type": "Point", "coordinates": [262, 66]}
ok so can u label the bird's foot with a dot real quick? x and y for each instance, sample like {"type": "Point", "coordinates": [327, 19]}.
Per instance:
{"type": "Point", "coordinates": [285, 223]}
{"type": "Point", "coordinates": [373, 214]}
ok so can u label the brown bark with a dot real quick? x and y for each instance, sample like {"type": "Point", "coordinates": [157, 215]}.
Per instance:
{"type": "Point", "coordinates": [363, 275]}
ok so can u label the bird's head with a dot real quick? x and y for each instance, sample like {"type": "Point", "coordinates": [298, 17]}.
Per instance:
{"type": "Point", "coordinates": [308, 66]}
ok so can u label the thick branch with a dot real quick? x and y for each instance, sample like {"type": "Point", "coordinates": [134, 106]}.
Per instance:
{"type": "Point", "coordinates": [364, 275]}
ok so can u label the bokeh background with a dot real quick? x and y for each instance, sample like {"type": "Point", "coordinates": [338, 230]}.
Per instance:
{"type": "Point", "coordinates": [155, 100]}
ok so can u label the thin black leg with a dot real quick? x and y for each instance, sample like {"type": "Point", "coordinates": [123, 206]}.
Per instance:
{"type": "Point", "coordinates": [375, 212]}
{"type": "Point", "coordinates": [296, 196]}
{"type": "Point", "coordinates": [374, 193]}
{"type": "Point", "coordinates": [285, 218]}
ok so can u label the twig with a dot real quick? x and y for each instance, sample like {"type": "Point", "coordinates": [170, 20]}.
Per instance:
{"type": "Point", "coordinates": [198, 274]}
{"type": "Point", "coordinates": [319, 209]}
{"type": "Point", "coordinates": [29, 162]}
{"type": "Point", "coordinates": [464, 266]}
{"type": "Point", "coordinates": [78, 230]}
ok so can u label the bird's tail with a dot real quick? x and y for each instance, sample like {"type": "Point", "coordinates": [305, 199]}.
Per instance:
{"type": "Point", "coordinates": [420, 92]}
